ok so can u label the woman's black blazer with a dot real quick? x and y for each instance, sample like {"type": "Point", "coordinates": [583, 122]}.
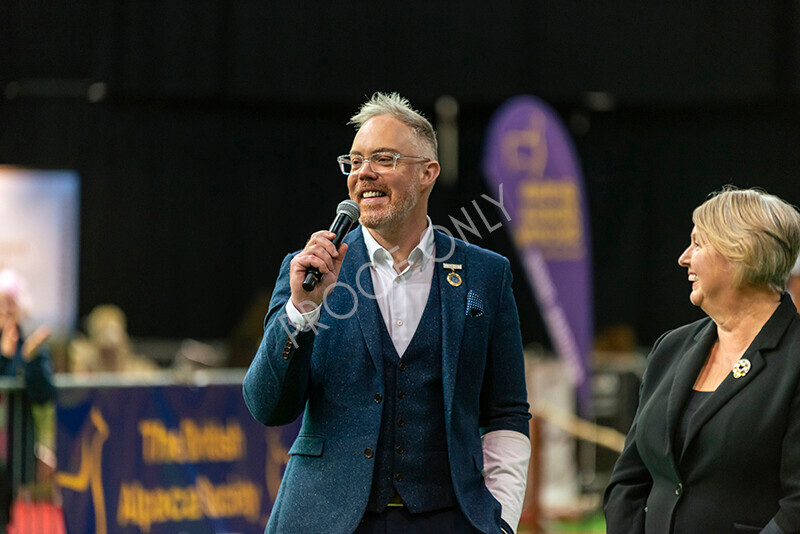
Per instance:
{"type": "Point", "coordinates": [740, 467]}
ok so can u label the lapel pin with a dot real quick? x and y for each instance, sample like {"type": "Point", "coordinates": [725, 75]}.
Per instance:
{"type": "Point", "coordinates": [452, 277]}
{"type": "Point", "coordinates": [741, 368]}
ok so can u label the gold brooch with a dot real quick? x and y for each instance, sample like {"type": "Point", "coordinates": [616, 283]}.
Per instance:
{"type": "Point", "coordinates": [741, 367]}
{"type": "Point", "coordinates": [452, 277]}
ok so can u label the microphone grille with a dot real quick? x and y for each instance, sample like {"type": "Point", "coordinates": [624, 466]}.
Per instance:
{"type": "Point", "coordinates": [349, 208]}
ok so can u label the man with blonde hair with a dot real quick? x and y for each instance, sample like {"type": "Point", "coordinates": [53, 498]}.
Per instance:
{"type": "Point", "coordinates": [406, 359]}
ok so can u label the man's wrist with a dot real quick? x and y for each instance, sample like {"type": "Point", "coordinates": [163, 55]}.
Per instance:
{"type": "Point", "coordinates": [302, 321]}
{"type": "Point", "coordinates": [305, 307]}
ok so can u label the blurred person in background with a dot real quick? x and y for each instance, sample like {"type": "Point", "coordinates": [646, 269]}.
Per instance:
{"type": "Point", "coordinates": [106, 347]}
{"type": "Point", "coordinates": [714, 445]}
{"type": "Point", "coordinates": [26, 357]}
{"type": "Point", "coordinates": [413, 382]}
{"type": "Point", "coordinates": [793, 286]}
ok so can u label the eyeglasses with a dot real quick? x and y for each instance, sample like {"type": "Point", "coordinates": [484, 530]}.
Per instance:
{"type": "Point", "coordinates": [378, 162]}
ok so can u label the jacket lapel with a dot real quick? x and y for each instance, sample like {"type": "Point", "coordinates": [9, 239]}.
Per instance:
{"type": "Point", "coordinates": [685, 376]}
{"type": "Point", "coordinates": [358, 277]}
{"type": "Point", "coordinates": [453, 303]}
{"type": "Point", "coordinates": [767, 339]}
{"type": "Point", "coordinates": [724, 393]}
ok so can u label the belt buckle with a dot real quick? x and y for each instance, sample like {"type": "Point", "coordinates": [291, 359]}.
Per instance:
{"type": "Point", "coordinates": [396, 501]}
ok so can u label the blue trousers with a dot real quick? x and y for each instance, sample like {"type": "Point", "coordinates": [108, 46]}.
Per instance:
{"type": "Point", "coordinates": [398, 520]}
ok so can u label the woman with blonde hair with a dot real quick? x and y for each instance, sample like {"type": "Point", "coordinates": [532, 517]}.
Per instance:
{"type": "Point", "coordinates": [715, 444]}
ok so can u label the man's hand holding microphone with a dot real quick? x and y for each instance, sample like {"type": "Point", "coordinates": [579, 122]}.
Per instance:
{"type": "Point", "coordinates": [315, 268]}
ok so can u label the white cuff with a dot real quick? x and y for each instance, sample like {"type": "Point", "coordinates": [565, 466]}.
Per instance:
{"type": "Point", "coordinates": [506, 454]}
{"type": "Point", "coordinates": [302, 321]}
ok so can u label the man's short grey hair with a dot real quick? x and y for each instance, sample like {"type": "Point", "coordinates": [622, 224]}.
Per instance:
{"type": "Point", "coordinates": [396, 106]}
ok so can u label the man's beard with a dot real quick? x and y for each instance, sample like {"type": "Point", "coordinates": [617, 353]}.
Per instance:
{"type": "Point", "coordinates": [396, 213]}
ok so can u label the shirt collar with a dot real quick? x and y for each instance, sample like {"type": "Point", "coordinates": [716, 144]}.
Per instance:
{"type": "Point", "coordinates": [418, 257]}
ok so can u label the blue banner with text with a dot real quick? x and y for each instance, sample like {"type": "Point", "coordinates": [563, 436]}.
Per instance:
{"type": "Point", "coordinates": [166, 459]}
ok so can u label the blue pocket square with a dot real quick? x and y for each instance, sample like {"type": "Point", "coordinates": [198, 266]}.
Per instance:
{"type": "Point", "coordinates": [474, 305]}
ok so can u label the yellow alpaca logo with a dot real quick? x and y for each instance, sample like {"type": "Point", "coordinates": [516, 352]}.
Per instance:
{"type": "Point", "coordinates": [90, 474]}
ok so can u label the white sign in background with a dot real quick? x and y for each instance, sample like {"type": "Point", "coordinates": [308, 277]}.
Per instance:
{"type": "Point", "coordinates": [39, 238]}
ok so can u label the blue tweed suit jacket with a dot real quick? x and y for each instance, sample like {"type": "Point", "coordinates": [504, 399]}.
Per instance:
{"type": "Point", "coordinates": [335, 372]}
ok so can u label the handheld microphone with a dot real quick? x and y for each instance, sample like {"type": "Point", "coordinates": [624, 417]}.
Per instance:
{"type": "Point", "coordinates": [347, 213]}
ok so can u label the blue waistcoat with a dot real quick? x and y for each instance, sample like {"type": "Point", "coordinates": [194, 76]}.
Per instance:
{"type": "Point", "coordinates": [411, 457]}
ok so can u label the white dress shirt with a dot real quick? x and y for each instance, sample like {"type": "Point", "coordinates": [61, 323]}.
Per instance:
{"type": "Point", "coordinates": [402, 298]}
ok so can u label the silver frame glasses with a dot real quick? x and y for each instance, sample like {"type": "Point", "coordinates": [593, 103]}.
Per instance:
{"type": "Point", "coordinates": [395, 156]}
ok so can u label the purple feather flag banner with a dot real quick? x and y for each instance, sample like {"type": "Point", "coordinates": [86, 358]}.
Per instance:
{"type": "Point", "coordinates": [530, 155]}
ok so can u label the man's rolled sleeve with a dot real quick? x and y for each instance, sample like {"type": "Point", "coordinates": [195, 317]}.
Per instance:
{"type": "Point", "coordinates": [506, 455]}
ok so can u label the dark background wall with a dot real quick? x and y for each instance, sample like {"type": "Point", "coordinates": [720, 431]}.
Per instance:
{"type": "Point", "coordinates": [210, 151]}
